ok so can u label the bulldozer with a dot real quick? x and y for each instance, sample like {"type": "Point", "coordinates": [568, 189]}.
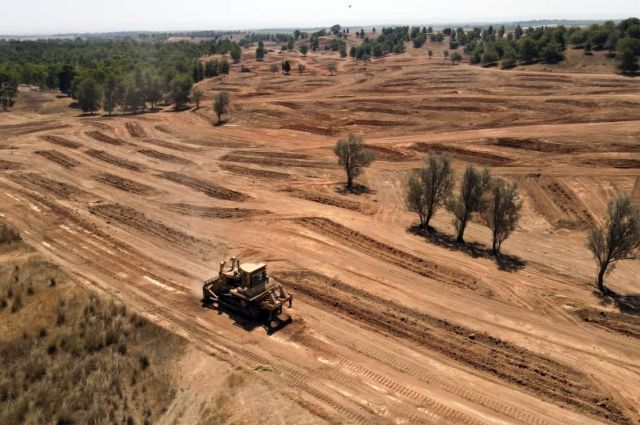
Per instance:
{"type": "Point", "coordinates": [249, 290]}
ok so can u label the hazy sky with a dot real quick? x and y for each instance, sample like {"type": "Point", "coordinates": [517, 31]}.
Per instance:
{"type": "Point", "coordinates": [57, 16]}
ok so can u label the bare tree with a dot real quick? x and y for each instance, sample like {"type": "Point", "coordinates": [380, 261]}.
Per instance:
{"type": "Point", "coordinates": [273, 68]}
{"type": "Point", "coordinates": [221, 104]}
{"type": "Point", "coordinates": [332, 67]}
{"type": "Point", "coordinates": [353, 155]}
{"type": "Point", "coordinates": [618, 239]}
{"type": "Point", "coordinates": [301, 68]}
{"type": "Point", "coordinates": [197, 94]}
{"type": "Point", "coordinates": [503, 211]}
{"type": "Point", "coordinates": [470, 200]}
{"type": "Point", "coordinates": [428, 188]}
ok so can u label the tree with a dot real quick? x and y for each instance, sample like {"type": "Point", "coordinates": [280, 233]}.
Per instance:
{"type": "Point", "coordinates": [304, 49]}
{"type": "Point", "coordinates": [618, 239]}
{"type": "Point", "coordinates": [224, 67]}
{"type": "Point", "coordinates": [8, 90]}
{"type": "Point", "coordinates": [456, 57]}
{"type": "Point", "coordinates": [430, 53]}
{"type": "Point", "coordinates": [197, 94]}
{"type": "Point", "coordinates": [353, 156]}
{"type": "Point", "coordinates": [503, 211]}
{"type": "Point", "coordinates": [65, 78]}
{"type": "Point", "coordinates": [445, 54]}
{"type": "Point", "coordinates": [552, 53]}
{"type": "Point", "coordinates": [273, 68]}
{"type": "Point", "coordinates": [286, 68]}
{"type": "Point", "coordinates": [88, 95]}
{"type": "Point", "coordinates": [470, 200]}
{"type": "Point", "coordinates": [290, 44]}
{"type": "Point", "coordinates": [180, 89]}
{"type": "Point", "coordinates": [528, 49]}
{"type": "Point", "coordinates": [518, 32]}
{"type": "Point", "coordinates": [235, 53]}
{"type": "Point", "coordinates": [626, 55]}
{"type": "Point", "coordinates": [153, 91]}
{"type": "Point", "coordinates": [301, 68]}
{"type": "Point", "coordinates": [509, 59]}
{"type": "Point", "coordinates": [260, 54]}
{"type": "Point", "coordinates": [331, 67]}
{"type": "Point", "coordinates": [221, 104]}
{"type": "Point", "coordinates": [429, 187]}
{"type": "Point", "coordinates": [112, 94]}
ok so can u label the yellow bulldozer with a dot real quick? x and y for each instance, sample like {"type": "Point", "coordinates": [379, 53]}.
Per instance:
{"type": "Point", "coordinates": [249, 290]}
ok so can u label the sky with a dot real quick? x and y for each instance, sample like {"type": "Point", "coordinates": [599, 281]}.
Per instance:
{"type": "Point", "coordinates": [27, 17]}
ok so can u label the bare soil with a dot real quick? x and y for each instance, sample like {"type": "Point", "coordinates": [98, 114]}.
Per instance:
{"type": "Point", "coordinates": [389, 325]}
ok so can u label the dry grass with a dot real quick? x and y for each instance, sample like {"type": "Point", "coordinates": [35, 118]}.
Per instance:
{"type": "Point", "coordinates": [71, 357]}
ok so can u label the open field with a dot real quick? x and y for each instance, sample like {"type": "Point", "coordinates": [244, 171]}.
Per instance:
{"type": "Point", "coordinates": [388, 327]}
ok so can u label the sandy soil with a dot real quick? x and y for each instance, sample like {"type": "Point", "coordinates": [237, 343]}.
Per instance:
{"type": "Point", "coordinates": [388, 327]}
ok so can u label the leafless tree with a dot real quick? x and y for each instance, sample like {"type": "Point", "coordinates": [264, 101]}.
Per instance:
{"type": "Point", "coordinates": [332, 67]}
{"type": "Point", "coordinates": [503, 211]}
{"type": "Point", "coordinates": [618, 239]}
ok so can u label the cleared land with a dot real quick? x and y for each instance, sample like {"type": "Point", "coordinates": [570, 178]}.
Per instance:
{"type": "Point", "coordinates": [388, 327]}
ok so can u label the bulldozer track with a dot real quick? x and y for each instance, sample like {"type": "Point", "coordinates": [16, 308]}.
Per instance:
{"type": "Point", "coordinates": [213, 212]}
{"type": "Point", "coordinates": [61, 141]}
{"type": "Point", "coordinates": [59, 158]}
{"type": "Point", "coordinates": [208, 188]}
{"type": "Point", "coordinates": [104, 138]}
{"type": "Point", "coordinates": [320, 198]}
{"type": "Point", "coordinates": [555, 382]}
{"type": "Point", "coordinates": [164, 156]}
{"type": "Point", "coordinates": [135, 129]}
{"type": "Point", "coordinates": [126, 184]}
{"type": "Point", "coordinates": [384, 252]}
{"type": "Point", "coordinates": [254, 172]}
{"type": "Point", "coordinates": [139, 221]}
{"type": "Point", "coordinates": [114, 160]}
{"type": "Point", "coordinates": [407, 367]}
{"type": "Point", "coordinates": [60, 189]}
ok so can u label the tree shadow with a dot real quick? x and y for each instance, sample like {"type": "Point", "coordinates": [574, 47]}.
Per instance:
{"type": "Point", "coordinates": [356, 189]}
{"type": "Point", "coordinates": [629, 304]}
{"type": "Point", "coordinates": [219, 123]}
{"type": "Point", "coordinates": [508, 263]}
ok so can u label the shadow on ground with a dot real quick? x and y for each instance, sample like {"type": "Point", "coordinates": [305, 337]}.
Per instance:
{"type": "Point", "coordinates": [508, 263]}
{"type": "Point", "coordinates": [629, 304]}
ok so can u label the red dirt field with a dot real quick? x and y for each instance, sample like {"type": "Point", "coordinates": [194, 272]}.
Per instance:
{"type": "Point", "coordinates": [388, 326]}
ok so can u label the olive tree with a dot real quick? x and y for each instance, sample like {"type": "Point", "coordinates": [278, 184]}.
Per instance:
{"type": "Point", "coordinates": [502, 212]}
{"type": "Point", "coordinates": [618, 239]}
{"type": "Point", "coordinates": [353, 156]}
{"type": "Point", "coordinates": [429, 187]}
{"type": "Point", "coordinates": [89, 95]}
{"type": "Point", "coordinates": [332, 67]}
{"type": "Point", "coordinates": [221, 104]}
{"type": "Point", "coordinates": [197, 94]}
{"type": "Point", "coordinates": [273, 68]}
{"type": "Point", "coordinates": [470, 200]}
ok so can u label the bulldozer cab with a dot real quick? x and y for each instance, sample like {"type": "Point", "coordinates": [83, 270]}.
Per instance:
{"type": "Point", "coordinates": [254, 277]}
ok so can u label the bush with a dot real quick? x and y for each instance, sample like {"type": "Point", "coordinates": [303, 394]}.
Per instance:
{"type": "Point", "coordinates": [8, 234]}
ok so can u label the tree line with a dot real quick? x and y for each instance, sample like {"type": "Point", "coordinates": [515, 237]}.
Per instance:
{"type": "Point", "coordinates": [127, 74]}
{"type": "Point", "coordinates": [496, 203]}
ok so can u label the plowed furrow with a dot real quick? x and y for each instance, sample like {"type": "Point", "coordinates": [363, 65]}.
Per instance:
{"type": "Point", "coordinates": [125, 184]}
{"type": "Point", "coordinates": [208, 188]}
{"type": "Point", "coordinates": [114, 160]}
{"type": "Point", "coordinates": [61, 141]}
{"type": "Point", "coordinates": [59, 158]}
{"type": "Point", "coordinates": [140, 222]}
{"type": "Point", "coordinates": [384, 252]}
{"type": "Point", "coordinates": [524, 369]}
